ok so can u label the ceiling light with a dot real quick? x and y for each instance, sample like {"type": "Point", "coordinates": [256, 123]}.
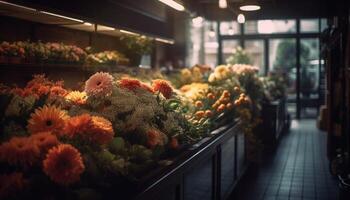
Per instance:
{"type": "Point", "coordinates": [241, 18]}
{"type": "Point", "coordinates": [16, 5]}
{"type": "Point", "coordinates": [61, 16]}
{"type": "Point", "coordinates": [173, 4]}
{"type": "Point", "coordinates": [222, 3]}
{"type": "Point", "coordinates": [165, 41]}
{"type": "Point", "coordinates": [105, 28]}
{"type": "Point", "coordinates": [251, 7]}
{"type": "Point", "coordinates": [87, 24]}
{"type": "Point", "coordinates": [128, 32]}
{"type": "Point", "coordinates": [197, 21]}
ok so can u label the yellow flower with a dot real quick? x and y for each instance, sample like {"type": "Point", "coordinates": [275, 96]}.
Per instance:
{"type": "Point", "coordinates": [77, 97]}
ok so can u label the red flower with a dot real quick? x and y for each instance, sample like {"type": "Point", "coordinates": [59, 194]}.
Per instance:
{"type": "Point", "coordinates": [130, 84]}
{"type": "Point", "coordinates": [163, 87]}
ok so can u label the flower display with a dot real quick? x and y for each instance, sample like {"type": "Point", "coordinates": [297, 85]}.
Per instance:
{"type": "Point", "coordinates": [107, 57]}
{"type": "Point", "coordinates": [155, 138]}
{"type": "Point", "coordinates": [99, 84]}
{"type": "Point", "coordinates": [64, 164]}
{"type": "Point", "coordinates": [163, 87]}
{"type": "Point", "coordinates": [47, 118]}
{"type": "Point", "coordinates": [19, 151]}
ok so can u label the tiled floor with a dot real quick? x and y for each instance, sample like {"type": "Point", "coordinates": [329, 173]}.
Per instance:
{"type": "Point", "coordinates": [298, 169]}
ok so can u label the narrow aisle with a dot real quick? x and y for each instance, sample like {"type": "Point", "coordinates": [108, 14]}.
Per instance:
{"type": "Point", "coordinates": [297, 170]}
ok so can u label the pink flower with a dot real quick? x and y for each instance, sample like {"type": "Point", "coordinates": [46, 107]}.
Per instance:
{"type": "Point", "coordinates": [99, 84]}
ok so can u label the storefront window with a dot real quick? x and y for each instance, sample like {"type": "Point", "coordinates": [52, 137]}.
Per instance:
{"type": "Point", "coordinates": [230, 28]}
{"type": "Point", "coordinates": [309, 25]}
{"type": "Point", "coordinates": [227, 48]}
{"type": "Point", "coordinates": [211, 44]}
{"type": "Point", "coordinates": [270, 26]}
{"type": "Point", "coordinates": [255, 49]}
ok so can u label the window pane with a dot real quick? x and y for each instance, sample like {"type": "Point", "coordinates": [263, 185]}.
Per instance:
{"type": "Point", "coordinates": [210, 43]}
{"type": "Point", "coordinates": [229, 28]}
{"type": "Point", "coordinates": [324, 24]}
{"type": "Point", "coordinates": [309, 76]}
{"type": "Point", "coordinates": [255, 50]}
{"type": "Point", "coordinates": [283, 62]}
{"type": "Point", "coordinates": [308, 25]}
{"type": "Point", "coordinates": [270, 26]}
{"type": "Point", "coordinates": [227, 48]}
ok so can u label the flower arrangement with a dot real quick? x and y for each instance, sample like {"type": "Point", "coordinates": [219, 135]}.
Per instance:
{"type": "Point", "coordinates": [116, 127]}
{"type": "Point", "coordinates": [107, 58]}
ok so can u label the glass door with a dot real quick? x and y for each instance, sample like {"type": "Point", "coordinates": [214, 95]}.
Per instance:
{"type": "Point", "coordinates": [282, 60]}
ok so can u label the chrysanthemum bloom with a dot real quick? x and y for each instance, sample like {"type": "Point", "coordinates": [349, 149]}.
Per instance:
{"type": "Point", "coordinates": [130, 84]}
{"type": "Point", "coordinates": [78, 125]}
{"type": "Point", "coordinates": [63, 164]}
{"type": "Point", "coordinates": [101, 130]}
{"type": "Point", "coordinates": [91, 128]}
{"type": "Point", "coordinates": [76, 97]}
{"type": "Point", "coordinates": [155, 138]}
{"type": "Point", "coordinates": [19, 151]}
{"type": "Point", "coordinates": [44, 141]}
{"type": "Point", "coordinates": [58, 91]}
{"type": "Point", "coordinates": [99, 84]}
{"type": "Point", "coordinates": [163, 87]}
{"type": "Point", "coordinates": [10, 184]}
{"type": "Point", "coordinates": [147, 87]}
{"type": "Point", "coordinates": [47, 118]}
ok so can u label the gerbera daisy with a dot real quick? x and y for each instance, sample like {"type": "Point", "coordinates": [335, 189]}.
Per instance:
{"type": "Point", "coordinates": [10, 184]}
{"type": "Point", "coordinates": [76, 97]}
{"type": "Point", "coordinates": [155, 138]}
{"type": "Point", "coordinates": [99, 84]}
{"type": "Point", "coordinates": [78, 125]}
{"type": "Point", "coordinates": [101, 130]}
{"type": "Point", "coordinates": [19, 151]}
{"type": "Point", "coordinates": [44, 141]}
{"type": "Point", "coordinates": [163, 87]}
{"type": "Point", "coordinates": [63, 164]}
{"type": "Point", "coordinates": [47, 118]}
{"type": "Point", "coordinates": [130, 84]}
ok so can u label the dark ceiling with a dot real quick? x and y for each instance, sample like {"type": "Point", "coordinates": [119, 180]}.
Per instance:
{"type": "Point", "coordinates": [270, 9]}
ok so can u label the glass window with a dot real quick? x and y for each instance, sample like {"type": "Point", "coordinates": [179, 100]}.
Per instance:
{"type": "Point", "coordinates": [227, 48]}
{"type": "Point", "coordinates": [270, 26]}
{"type": "Point", "coordinates": [324, 24]}
{"type": "Point", "coordinates": [255, 50]}
{"type": "Point", "coordinates": [309, 25]}
{"type": "Point", "coordinates": [230, 28]}
{"type": "Point", "coordinates": [211, 44]}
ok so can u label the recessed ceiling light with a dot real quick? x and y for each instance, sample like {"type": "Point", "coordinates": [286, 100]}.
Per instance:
{"type": "Point", "coordinates": [249, 7]}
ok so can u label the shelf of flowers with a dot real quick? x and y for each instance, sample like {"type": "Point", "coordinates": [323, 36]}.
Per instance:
{"type": "Point", "coordinates": [116, 129]}
{"type": "Point", "coordinates": [56, 55]}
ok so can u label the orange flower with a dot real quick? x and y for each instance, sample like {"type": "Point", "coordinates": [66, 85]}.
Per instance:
{"type": "Point", "coordinates": [198, 104]}
{"type": "Point", "coordinates": [101, 130]}
{"type": "Point", "coordinates": [10, 184]}
{"type": "Point", "coordinates": [155, 138]}
{"type": "Point", "coordinates": [163, 87]}
{"type": "Point", "coordinates": [130, 84]}
{"type": "Point", "coordinates": [208, 113]}
{"type": "Point", "coordinates": [229, 106]}
{"type": "Point", "coordinates": [147, 87]}
{"type": "Point", "coordinates": [91, 128]}
{"type": "Point", "coordinates": [19, 151]}
{"type": "Point", "coordinates": [78, 125]}
{"type": "Point", "coordinates": [44, 141]}
{"type": "Point", "coordinates": [63, 164]}
{"type": "Point", "coordinates": [47, 118]}
{"type": "Point", "coordinates": [58, 91]}
{"type": "Point", "coordinates": [199, 114]}
{"type": "Point", "coordinates": [174, 144]}
{"type": "Point", "coordinates": [221, 108]}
